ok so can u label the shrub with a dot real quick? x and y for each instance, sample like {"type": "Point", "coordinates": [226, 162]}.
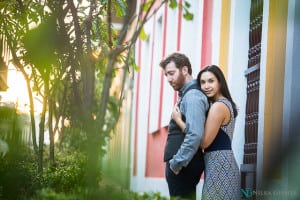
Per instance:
{"type": "Point", "coordinates": [67, 174]}
{"type": "Point", "coordinates": [110, 192]}
{"type": "Point", "coordinates": [18, 175]}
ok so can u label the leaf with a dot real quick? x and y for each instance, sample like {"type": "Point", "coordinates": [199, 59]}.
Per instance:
{"type": "Point", "coordinates": [41, 44]}
{"type": "Point", "coordinates": [173, 4]}
{"type": "Point", "coordinates": [133, 64]}
{"type": "Point", "coordinates": [143, 36]}
{"type": "Point", "coordinates": [146, 6]}
{"type": "Point", "coordinates": [120, 8]}
{"type": "Point", "coordinates": [187, 4]}
{"type": "Point", "coordinates": [188, 16]}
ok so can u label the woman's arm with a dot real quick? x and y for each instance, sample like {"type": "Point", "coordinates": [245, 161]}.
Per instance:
{"type": "Point", "coordinates": [177, 117]}
{"type": "Point", "coordinates": [218, 114]}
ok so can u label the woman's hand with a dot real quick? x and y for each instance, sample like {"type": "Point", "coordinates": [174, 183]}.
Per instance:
{"type": "Point", "coordinates": [176, 114]}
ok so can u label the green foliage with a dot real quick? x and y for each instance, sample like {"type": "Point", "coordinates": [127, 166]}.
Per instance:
{"type": "Point", "coordinates": [152, 196]}
{"type": "Point", "coordinates": [41, 44]}
{"type": "Point", "coordinates": [133, 64]}
{"type": "Point", "coordinates": [105, 192]}
{"type": "Point", "coordinates": [18, 174]}
{"type": "Point", "coordinates": [50, 194]}
{"type": "Point", "coordinates": [119, 6]}
{"type": "Point", "coordinates": [187, 15]}
{"type": "Point", "coordinates": [113, 113]}
{"type": "Point", "coordinates": [67, 42]}
{"type": "Point", "coordinates": [173, 4]}
{"type": "Point", "coordinates": [114, 192]}
{"type": "Point", "coordinates": [187, 5]}
{"type": "Point", "coordinates": [64, 181]}
{"type": "Point", "coordinates": [68, 173]}
{"type": "Point", "coordinates": [6, 112]}
{"type": "Point", "coordinates": [143, 35]}
{"type": "Point", "coordinates": [146, 5]}
{"type": "Point", "coordinates": [74, 138]}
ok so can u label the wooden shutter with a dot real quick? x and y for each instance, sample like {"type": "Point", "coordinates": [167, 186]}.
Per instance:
{"type": "Point", "coordinates": [252, 74]}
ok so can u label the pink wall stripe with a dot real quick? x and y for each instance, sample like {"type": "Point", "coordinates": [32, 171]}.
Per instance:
{"type": "Point", "coordinates": [151, 73]}
{"type": "Point", "coordinates": [137, 109]}
{"type": "Point", "coordinates": [206, 33]}
{"type": "Point", "coordinates": [179, 26]}
{"type": "Point", "coordinates": [156, 141]}
{"type": "Point", "coordinates": [206, 37]}
{"type": "Point", "coordinates": [178, 40]}
{"type": "Point", "coordinates": [162, 76]}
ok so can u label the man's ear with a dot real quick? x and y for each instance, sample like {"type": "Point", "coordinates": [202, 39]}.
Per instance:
{"type": "Point", "coordinates": [185, 70]}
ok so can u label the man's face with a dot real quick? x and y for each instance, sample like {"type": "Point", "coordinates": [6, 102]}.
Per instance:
{"type": "Point", "coordinates": [174, 76]}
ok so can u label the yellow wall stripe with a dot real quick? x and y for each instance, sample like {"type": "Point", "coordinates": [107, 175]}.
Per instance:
{"type": "Point", "coordinates": [224, 36]}
{"type": "Point", "coordinates": [275, 67]}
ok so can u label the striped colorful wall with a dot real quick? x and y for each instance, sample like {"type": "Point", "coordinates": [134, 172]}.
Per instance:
{"type": "Point", "coordinates": [219, 34]}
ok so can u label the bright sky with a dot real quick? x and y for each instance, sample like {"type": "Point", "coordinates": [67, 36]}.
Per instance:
{"type": "Point", "coordinates": [17, 91]}
{"type": "Point", "coordinates": [17, 94]}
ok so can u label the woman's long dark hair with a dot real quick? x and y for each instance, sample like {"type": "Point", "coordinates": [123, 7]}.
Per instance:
{"type": "Point", "coordinates": [221, 78]}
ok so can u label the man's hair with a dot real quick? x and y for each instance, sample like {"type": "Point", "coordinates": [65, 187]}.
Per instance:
{"type": "Point", "coordinates": [179, 59]}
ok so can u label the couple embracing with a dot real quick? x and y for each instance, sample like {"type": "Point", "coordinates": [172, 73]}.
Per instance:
{"type": "Point", "coordinates": [200, 133]}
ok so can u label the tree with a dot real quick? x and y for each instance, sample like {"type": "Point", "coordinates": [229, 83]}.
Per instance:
{"type": "Point", "coordinates": [73, 49]}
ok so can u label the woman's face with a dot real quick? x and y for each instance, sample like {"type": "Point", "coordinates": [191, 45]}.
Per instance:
{"type": "Point", "coordinates": [210, 85]}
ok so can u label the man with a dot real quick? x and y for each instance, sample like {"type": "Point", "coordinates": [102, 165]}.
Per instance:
{"type": "Point", "coordinates": [183, 157]}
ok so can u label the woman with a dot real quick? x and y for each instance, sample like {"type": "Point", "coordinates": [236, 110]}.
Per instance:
{"type": "Point", "coordinates": [221, 175]}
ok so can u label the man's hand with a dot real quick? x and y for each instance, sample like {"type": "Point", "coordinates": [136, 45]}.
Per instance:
{"type": "Point", "coordinates": [175, 172]}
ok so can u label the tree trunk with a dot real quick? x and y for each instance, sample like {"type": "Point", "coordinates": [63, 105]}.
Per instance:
{"type": "Point", "coordinates": [32, 118]}
{"type": "Point", "coordinates": [18, 65]}
{"type": "Point", "coordinates": [51, 133]}
{"type": "Point", "coordinates": [42, 129]}
{"type": "Point", "coordinates": [88, 81]}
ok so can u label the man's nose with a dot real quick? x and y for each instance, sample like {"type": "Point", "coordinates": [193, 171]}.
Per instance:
{"type": "Point", "coordinates": [169, 78]}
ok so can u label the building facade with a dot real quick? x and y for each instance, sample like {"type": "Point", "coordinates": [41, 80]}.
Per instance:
{"type": "Point", "coordinates": [255, 42]}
